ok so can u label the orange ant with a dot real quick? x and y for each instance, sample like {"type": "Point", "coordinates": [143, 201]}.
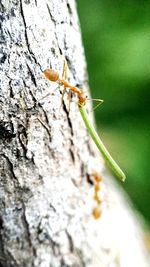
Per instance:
{"type": "Point", "coordinates": [96, 211]}
{"type": "Point", "coordinates": [53, 76]}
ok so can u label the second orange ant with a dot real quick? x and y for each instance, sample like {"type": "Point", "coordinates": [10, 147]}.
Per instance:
{"type": "Point", "coordinates": [96, 211]}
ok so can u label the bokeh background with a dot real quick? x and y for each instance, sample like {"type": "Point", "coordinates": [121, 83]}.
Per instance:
{"type": "Point", "coordinates": [116, 37]}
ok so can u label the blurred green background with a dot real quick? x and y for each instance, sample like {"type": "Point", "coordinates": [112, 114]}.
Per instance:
{"type": "Point", "coordinates": [116, 41]}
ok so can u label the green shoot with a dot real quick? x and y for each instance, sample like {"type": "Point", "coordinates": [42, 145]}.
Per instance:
{"type": "Point", "coordinates": [111, 162]}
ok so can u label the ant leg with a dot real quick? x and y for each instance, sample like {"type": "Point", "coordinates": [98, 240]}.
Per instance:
{"type": "Point", "coordinates": [64, 70]}
{"type": "Point", "coordinates": [44, 97]}
{"type": "Point", "coordinates": [47, 94]}
{"type": "Point", "coordinates": [64, 75]}
{"type": "Point", "coordinates": [69, 98]}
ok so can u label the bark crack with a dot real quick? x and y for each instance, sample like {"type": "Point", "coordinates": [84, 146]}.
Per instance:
{"type": "Point", "coordinates": [37, 104]}
{"type": "Point", "coordinates": [32, 75]}
{"type": "Point", "coordinates": [26, 37]}
{"type": "Point", "coordinates": [71, 244]}
{"type": "Point", "coordinates": [51, 16]}
{"type": "Point", "coordinates": [11, 259]}
{"type": "Point", "coordinates": [68, 119]}
{"type": "Point", "coordinates": [11, 168]}
{"type": "Point", "coordinates": [25, 25]}
{"type": "Point", "coordinates": [71, 150]}
{"type": "Point", "coordinates": [55, 22]}
{"type": "Point", "coordinates": [28, 229]}
{"type": "Point", "coordinates": [22, 136]}
{"type": "Point", "coordinates": [46, 128]}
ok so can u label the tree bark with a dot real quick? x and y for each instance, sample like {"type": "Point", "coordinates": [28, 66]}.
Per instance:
{"type": "Point", "coordinates": [46, 155]}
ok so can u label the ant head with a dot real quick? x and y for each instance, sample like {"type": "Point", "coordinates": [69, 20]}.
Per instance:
{"type": "Point", "coordinates": [96, 176]}
{"type": "Point", "coordinates": [51, 75]}
{"type": "Point", "coordinates": [82, 96]}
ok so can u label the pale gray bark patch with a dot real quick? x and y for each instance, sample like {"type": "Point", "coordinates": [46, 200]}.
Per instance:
{"type": "Point", "coordinates": [46, 155]}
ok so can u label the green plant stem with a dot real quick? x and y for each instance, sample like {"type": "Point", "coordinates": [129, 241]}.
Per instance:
{"type": "Point", "coordinates": [111, 162]}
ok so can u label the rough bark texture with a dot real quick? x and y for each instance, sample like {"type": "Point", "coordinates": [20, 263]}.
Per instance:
{"type": "Point", "coordinates": [46, 155]}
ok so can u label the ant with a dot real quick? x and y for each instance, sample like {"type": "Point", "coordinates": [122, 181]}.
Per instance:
{"type": "Point", "coordinates": [53, 76]}
{"type": "Point", "coordinates": [96, 211]}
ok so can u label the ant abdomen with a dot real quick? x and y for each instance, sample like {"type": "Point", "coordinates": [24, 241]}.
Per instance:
{"type": "Point", "coordinates": [51, 75]}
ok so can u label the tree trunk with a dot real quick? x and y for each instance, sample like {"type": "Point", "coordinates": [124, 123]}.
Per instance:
{"type": "Point", "coordinates": [46, 155]}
